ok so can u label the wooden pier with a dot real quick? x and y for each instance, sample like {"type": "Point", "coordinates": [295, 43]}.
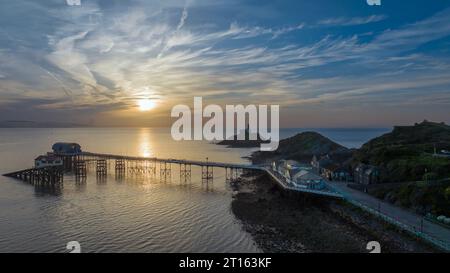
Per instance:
{"type": "Point", "coordinates": [79, 164]}
{"type": "Point", "coordinates": [49, 176]}
{"type": "Point", "coordinates": [147, 166]}
{"type": "Point", "coordinates": [132, 165]}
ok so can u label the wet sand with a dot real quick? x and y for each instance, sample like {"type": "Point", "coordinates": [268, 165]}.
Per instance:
{"type": "Point", "coordinates": [298, 223]}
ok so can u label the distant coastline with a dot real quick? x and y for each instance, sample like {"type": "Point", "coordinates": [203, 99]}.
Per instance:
{"type": "Point", "coordinates": [285, 132]}
{"type": "Point", "coordinates": [37, 124]}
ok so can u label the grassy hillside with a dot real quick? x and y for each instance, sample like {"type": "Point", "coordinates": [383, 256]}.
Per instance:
{"type": "Point", "coordinates": [406, 154]}
{"type": "Point", "coordinates": [421, 197]}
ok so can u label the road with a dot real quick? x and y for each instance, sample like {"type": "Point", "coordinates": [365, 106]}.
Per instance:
{"type": "Point", "coordinates": [405, 217]}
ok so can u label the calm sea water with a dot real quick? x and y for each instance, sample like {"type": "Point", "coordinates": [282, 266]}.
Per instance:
{"type": "Point", "coordinates": [137, 214]}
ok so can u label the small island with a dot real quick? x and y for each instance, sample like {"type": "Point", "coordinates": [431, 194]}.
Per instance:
{"type": "Point", "coordinates": [247, 142]}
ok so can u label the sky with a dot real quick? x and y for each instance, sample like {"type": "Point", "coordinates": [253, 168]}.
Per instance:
{"type": "Point", "coordinates": [326, 63]}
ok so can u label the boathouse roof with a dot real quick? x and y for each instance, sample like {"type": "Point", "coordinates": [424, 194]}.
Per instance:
{"type": "Point", "coordinates": [66, 148]}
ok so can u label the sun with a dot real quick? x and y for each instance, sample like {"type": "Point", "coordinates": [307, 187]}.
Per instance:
{"type": "Point", "coordinates": [146, 105]}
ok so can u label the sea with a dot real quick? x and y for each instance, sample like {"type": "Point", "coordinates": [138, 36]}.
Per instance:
{"type": "Point", "coordinates": [135, 214]}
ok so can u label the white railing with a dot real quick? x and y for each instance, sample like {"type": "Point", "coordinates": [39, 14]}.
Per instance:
{"type": "Point", "coordinates": [411, 229]}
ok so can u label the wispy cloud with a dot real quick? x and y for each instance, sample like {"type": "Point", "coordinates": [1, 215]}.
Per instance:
{"type": "Point", "coordinates": [354, 21]}
{"type": "Point", "coordinates": [100, 59]}
{"type": "Point", "coordinates": [183, 18]}
{"type": "Point", "coordinates": [240, 32]}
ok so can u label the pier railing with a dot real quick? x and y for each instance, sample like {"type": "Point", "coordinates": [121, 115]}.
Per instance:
{"type": "Point", "coordinates": [408, 228]}
{"type": "Point", "coordinates": [175, 161]}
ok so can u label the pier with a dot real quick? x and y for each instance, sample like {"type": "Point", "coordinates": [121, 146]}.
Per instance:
{"type": "Point", "coordinates": [69, 158]}
{"type": "Point", "coordinates": [79, 163]}
{"type": "Point", "coordinates": [153, 166]}
{"type": "Point", "coordinates": [49, 176]}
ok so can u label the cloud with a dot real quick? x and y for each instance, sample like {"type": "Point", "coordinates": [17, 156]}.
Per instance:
{"type": "Point", "coordinates": [354, 21]}
{"type": "Point", "coordinates": [108, 62]}
{"type": "Point", "coordinates": [183, 18]}
{"type": "Point", "coordinates": [412, 35]}
{"type": "Point", "coordinates": [239, 32]}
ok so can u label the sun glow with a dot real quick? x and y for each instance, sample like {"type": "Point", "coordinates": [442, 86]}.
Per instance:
{"type": "Point", "coordinates": [145, 143]}
{"type": "Point", "coordinates": [146, 105]}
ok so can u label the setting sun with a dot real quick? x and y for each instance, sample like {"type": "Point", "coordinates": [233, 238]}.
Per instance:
{"type": "Point", "coordinates": [146, 105]}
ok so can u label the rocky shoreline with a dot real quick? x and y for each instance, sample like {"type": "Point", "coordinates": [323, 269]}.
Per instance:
{"type": "Point", "coordinates": [285, 223]}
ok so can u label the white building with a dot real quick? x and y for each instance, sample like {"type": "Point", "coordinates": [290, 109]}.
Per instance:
{"type": "Point", "coordinates": [299, 175]}
{"type": "Point", "coordinates": [285, 167]}
{"type": "Point", "coordinates": [47, 161]}
{"type": "Point", "coordinates": [307, 179]}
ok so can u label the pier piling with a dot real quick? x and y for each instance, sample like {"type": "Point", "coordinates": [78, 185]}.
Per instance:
{"type": "Point", "coordinates": [80, 169]}
{"type": "Point", "coordinates": [185, 173]}
{"type": "Point", "coordinates": [102, 168]}
{"type": "Point", "coordinates": [207, 173]}
{"type": "Point", "coordinates": [165, 171]}
{"type": "Point", "coordinates": [120, 168]}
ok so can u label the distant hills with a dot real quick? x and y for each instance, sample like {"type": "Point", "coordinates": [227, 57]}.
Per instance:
{"type": "Point", "coordinates": [422, 137]}
{"type": "Point", "coordinates": [302, 147]}
{"type": "Point", "coordinates": [415, 154]}
{"type": "Point", "coordinates": [36, 124]}
{"type": "Point", "coordinates": [405, 154]}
